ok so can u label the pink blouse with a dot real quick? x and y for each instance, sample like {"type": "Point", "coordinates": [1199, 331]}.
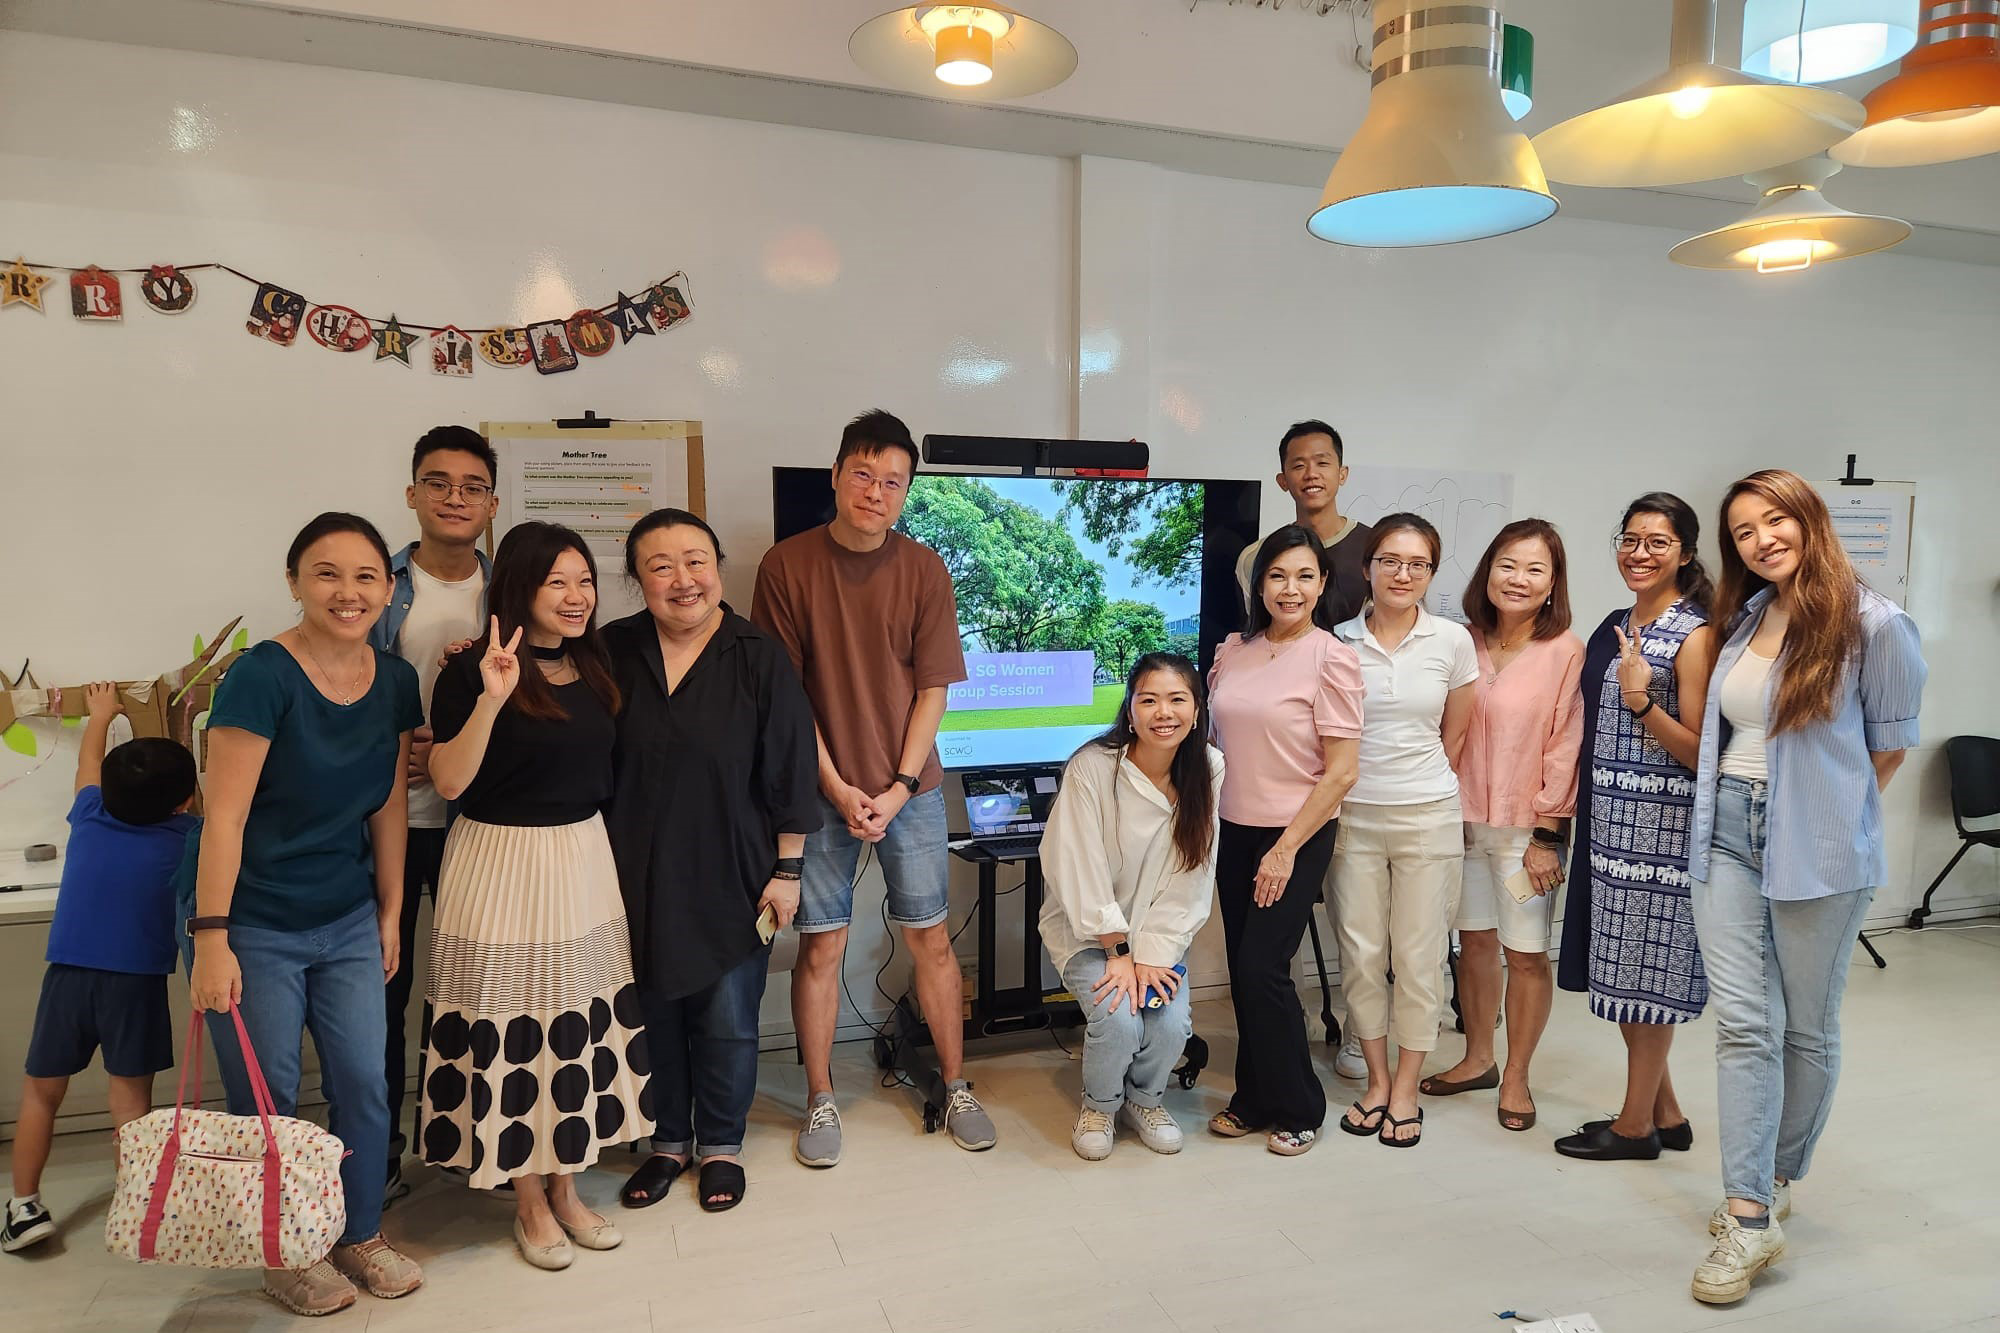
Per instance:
{"type": "Point", "coordinates": [1520, 756]}
{"type": "Point", "coordinates": [1271, 711]}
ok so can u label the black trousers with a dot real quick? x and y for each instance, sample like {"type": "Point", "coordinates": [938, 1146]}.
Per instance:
{"type": "Point", "coordinates": [422, 857]}
{"type": "Point", "coordinates": [1276, 1083]}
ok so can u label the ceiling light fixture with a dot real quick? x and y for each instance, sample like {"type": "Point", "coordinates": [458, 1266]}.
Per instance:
{"type": "Point", "coordinates": [1696, 122]}
{"type": "Point", "coordinates": [1792, 227]}
{"type": "Point", "coordinates": [1944, 105]}
{"type": "Point", "coordinates": [989, 52]}
{"type": "Point", "coordinates": [1819, 41]}
{"type": "Point", "coordinates": [1436, 159]}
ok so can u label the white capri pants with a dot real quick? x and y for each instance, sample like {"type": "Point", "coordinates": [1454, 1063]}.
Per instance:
{"type": "Point", "coordinates": [1491, 855]}
{"type": "Point", "coordinates": [1396, 875]}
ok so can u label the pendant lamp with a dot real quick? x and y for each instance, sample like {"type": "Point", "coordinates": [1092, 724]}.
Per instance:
{"type": "Point", "coordinates": [1945, 103]}
{"type": "Point", "coordinates": [1820, 41]}
{"type": "Point", "coordinates": [989, 52]}
{"type": "Point", "coordinates": [1792, 227]}
{"type": "Point", "coordinates": [1436, 160]}
{"type": "Point", "coordinates": [1517, 70]}
{"type": "Point", "coordinates": [1696, 122]}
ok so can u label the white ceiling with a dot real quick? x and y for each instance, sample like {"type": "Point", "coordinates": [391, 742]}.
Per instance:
{"type": "Point", "coordinates": [1234, 89]}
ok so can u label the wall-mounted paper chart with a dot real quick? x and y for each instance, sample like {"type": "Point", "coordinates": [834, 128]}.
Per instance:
{"type": "Point", "coordinates": [1873, 523]}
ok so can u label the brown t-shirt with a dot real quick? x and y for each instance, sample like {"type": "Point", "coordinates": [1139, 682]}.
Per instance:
{"type": "Point", "coordinates": [866, 630]}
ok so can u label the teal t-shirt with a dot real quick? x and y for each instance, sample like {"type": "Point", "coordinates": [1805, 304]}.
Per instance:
{"type": "Point", "coordinates": [306, 857]}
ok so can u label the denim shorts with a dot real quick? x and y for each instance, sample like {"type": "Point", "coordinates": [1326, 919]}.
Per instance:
{"type": "Point", "coordinates": [916, 865]}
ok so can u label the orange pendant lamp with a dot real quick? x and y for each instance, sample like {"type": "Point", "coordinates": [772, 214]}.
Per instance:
{"type": "Point", "coordinates": [1945, 103]}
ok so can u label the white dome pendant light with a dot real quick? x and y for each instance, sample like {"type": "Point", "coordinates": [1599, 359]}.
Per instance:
{"type": "Point", "coordinates": [1793, 227]}
{"type": "Point", "coordinates": [1822, 41]}
{"type": "Point", "coordinates": [984, 52]}
{"type": "Point", "coordinates": [1698, 121]}
{"type": "Point", "coordinates": [1437, 159]}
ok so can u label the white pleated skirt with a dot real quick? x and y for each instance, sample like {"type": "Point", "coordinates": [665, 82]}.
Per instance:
{"type": "Point", "coordinates": [536, 1058]}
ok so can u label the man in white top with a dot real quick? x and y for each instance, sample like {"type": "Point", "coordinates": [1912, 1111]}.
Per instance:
{"type": "Point", "coordinates": [438, 597]}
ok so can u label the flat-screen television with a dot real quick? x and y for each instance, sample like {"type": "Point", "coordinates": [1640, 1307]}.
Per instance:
{"type": "Point", "coordinates": [1062, 583]}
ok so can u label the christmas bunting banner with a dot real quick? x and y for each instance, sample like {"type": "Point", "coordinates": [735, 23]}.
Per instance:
{"type": "Point", "coordinates": [278, 314]}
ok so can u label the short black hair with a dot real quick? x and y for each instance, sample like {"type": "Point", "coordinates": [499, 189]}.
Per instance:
{"type": "Point", "coordinates": [666, 518]}
{"type": "Point", "coordinates": [146, 780]}
{"type": "Point", "coordinates": [463, 439]}
{"type": "Point", "coordinates": [1301, 429]}
{"type": "Point", "coordinates": [871, 433]}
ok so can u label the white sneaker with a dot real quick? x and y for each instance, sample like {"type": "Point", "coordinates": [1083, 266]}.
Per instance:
{"type": "Point", "coordinates": [1157, 1129]}
{"type": "Point", "coordinates": [1092, 1136]}
{"type": "Point", "coordinates": [1781, 1207]}
{"type": "Point", "coordinates": [1349, 1064]}
{"type": "Point", "coordinates": [1736, 1258]}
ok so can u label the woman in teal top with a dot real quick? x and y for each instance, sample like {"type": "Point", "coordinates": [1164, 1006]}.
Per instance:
{"type": "Point", "coordinates": [299, 882]}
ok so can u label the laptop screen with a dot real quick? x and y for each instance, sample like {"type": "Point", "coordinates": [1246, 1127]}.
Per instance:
{"type": "Point", "coordinates": [999, 805]}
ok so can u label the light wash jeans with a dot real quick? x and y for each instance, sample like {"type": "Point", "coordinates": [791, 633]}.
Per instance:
{"type": "Point", "coordinates": [1127, 1057]}
{"type": "Point", "coordinates": [1776, 971]}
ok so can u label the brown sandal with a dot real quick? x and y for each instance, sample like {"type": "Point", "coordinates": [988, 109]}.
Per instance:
{"type": "Point", "coordinates": [1516, 1120]}
{"type": "Point", "coordinates": [1229, 1125]}
{"type": "Point", "coordinates": [1435, 1086]}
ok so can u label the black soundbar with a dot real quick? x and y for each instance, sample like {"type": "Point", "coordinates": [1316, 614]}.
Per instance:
{"type": "Point", "coordinates": [1020, 452]}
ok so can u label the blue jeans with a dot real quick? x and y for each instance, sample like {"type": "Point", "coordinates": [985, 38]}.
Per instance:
{"type": "Point", "coordinates": [1127, 1057]}
{"type": "Point", "coordinates": [916, 865]}
{"type": "Point", "coordinates": [327, 982]}
{"type": "Point", "coordinates": [1776, 971]}
{"type": "Point", "coordinates": [704, 1049]}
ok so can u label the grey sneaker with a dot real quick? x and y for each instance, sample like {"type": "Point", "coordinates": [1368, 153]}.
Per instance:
{"type": "Point", "coordinates": [966, 1120]}
{"type": "Point", "coordinates": [309, 1291]}
{"type": "Point", "coordinates": [1349, 1064]}
{"type": "Point", "coordinates": [818, 1143]}
{"type": "Point", "coordinates": [384, 1270]}
{"type": "Point", "coordinates": [1092, 1136]}
{"type": "Point", "coordinates": [1157, 1129]}
{"type": "Point", "coordinates": [1781, 1208]}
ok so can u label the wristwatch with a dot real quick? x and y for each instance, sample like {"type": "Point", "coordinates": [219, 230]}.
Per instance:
{"type": "Point", "coordinates": [1122, 949]}
{"type": "Point", "coordinates": [1548, 837]}
{"type": "Point", "coordinates": [910, 783]}
{"type": "Point", "coordinates": [195, 923]}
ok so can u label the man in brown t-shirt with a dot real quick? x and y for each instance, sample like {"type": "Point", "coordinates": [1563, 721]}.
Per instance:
{"type": "Point", "coordinates": [870, 621]}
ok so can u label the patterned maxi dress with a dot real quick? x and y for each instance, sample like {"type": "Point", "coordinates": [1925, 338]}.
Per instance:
{"type": "Point", "coordinates": [1628, 929]}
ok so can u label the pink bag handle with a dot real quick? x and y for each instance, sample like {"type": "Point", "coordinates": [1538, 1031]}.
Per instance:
{"type": "Point", "coordinates": [260, 1092]}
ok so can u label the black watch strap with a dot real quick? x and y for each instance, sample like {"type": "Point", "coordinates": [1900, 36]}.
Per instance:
{"type": "Point", "coordinates": [195, 923]}
{"type": "Point", "coordinates": [910, 783]}
{"type": "Point", "coordinates": [1122, 949]}
{"type": "Point", "coordinates": [1548, 837]}
{"type": "Point", "coordinates": [1638, 713]}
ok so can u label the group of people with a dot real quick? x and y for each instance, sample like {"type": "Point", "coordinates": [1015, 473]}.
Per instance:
{"type": "Point", "coordinates": [614, 821]}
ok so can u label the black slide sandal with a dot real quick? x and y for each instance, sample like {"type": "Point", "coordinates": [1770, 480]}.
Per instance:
{"type": "Point", "coordinates": [726, 1179]}
{"type": "Point", "coordinates": [1364, 1129]}
{"type": "Point", "coordinates": [650, 1183]}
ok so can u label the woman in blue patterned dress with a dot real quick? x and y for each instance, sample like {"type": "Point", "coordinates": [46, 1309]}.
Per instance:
{"type": "Point", "coordinates": [1628, 931]}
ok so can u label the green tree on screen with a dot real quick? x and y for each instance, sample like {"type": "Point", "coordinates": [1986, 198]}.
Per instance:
{"type": "Point", "coordinates": [1128, 631]}
{"type": "Point", "coordinates": [1156, 527]}
{"type": "Point", "coordinates": [1022, 583]}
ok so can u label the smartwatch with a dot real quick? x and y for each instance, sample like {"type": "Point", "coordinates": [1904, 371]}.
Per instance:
{"type": "Point", "coordinates": [909, 783]}
{"type": "Point", "coordinates": [1122, 949]}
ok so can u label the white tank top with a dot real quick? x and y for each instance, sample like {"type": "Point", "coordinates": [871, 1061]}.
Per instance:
{"type": "Point", "coordinates": [1743, 706]}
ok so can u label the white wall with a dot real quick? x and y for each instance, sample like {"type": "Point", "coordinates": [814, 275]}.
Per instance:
{"type": "Point", "coordinates": [155, 470]}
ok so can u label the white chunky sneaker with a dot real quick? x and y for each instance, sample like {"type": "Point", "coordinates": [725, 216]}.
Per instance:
{"type": "Point", "coordinates": [1781, 1208]}
{"type": "Point", "coordinates": [1735, 1260]}
{"type": "Point", "coordinates": [1157, 1129]}
{"type": "Point", "coordinates": [1092, 1136]}
{"type": "Point", "coordinates": [1348, 1063]}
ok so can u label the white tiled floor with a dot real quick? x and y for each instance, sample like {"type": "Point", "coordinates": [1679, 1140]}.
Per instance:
{"type": "Point", "coordinates": [1898, 1227]}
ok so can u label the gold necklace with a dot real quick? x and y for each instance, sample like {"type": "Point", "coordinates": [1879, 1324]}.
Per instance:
{"type": "Point", "coordinates": [332, 684]}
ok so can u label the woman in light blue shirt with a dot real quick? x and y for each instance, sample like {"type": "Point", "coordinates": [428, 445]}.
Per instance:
{"type": "Point", "coordinates": [1811, 706]}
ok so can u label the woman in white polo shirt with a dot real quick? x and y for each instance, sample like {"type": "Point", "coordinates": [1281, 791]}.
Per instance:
{"type": "Point", "coordinates": [1400, 848]}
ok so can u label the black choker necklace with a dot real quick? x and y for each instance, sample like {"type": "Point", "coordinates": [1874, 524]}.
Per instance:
{"type": "Point", "coordinates": [555, 654]}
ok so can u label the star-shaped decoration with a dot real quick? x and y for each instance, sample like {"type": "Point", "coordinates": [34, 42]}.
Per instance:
{"type": "Point", "coordinates": [631, 318]}
{"type": "Point", "coordinates": [23, 284]}
{"type": "Point", "coordinates": [392, 340]}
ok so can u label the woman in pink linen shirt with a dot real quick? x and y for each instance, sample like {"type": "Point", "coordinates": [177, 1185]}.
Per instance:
{"type": "Point", "coordinates": [1517, 783]}
{"type": "Point", "coordinates": [1286, 699]}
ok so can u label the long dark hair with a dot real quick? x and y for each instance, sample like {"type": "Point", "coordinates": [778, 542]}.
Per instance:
{"type": "Point", "coordinates": [1825, 629]}
{"type": "Point", "coordinates": [1553, 617]}
{"type": "Point", "coordinates": [325, 525]}
{"type": "Point", "coordinates": [1692, 578]}
{"type": "Point", "coordinates": [1192, 775]}
{"type": "Point", "coordinates": [527, 553]}
{"type": "Point", "coordinates": [1288, 538]}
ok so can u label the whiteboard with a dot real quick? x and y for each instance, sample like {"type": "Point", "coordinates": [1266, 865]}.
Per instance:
{"type": "Point", "coordinates": [1873, 523]}
{"type": "Point", "coordinates": [1467, 508]}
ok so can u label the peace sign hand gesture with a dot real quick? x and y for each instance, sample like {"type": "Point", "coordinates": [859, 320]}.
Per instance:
{"type": "Point", "coordinates": [499, 669]}
{"type": "Point", "coordinates": [1635, 673]}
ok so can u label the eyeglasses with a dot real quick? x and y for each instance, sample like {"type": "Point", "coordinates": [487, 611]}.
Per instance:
{"type": "Point", "coordinates": [864, 481]}
{"type": "Point", "coordinates": [1627, 542]}
{"type": "Point", "coordinates": [1390, 565]}
{"type": "Point", "coordinates": [440, 489]}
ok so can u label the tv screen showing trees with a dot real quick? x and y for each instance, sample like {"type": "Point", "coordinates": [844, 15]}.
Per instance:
{"type": "Point", "coordinates": [1062, 584]}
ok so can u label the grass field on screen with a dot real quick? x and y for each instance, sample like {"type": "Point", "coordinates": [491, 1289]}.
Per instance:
{"type": "Point", "coordinates": [1101, 709]}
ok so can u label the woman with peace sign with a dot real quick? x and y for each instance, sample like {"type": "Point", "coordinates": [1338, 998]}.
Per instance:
{"type": "Point", "coordinates": [1628, 932]}
{"type": "Point", "coordinates": [536, 1056]}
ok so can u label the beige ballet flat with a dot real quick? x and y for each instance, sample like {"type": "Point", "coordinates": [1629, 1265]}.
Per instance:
{"type": "Point", "coordinates": [552, 1258]}
{"type": "Point", "coordinates": [600, 1236]}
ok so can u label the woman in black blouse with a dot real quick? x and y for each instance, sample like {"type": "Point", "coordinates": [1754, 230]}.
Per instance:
{"type": "Point", "coordinates": [716, 788]}
{"type": "Point", "coordinates": [535, 1054]}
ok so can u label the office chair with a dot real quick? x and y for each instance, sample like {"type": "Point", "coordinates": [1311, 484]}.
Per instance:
{"type": "Point", "coordinates": [1975, 794]}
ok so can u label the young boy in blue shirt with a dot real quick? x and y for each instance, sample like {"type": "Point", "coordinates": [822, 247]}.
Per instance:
{"type": "Point", "coordinates": [111, 947]}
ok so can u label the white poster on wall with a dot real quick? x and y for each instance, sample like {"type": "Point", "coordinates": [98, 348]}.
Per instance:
{"type": "Point", "coordinates": [1467, 508]}
{"type": "Point", "coordinates": [1873, 523]}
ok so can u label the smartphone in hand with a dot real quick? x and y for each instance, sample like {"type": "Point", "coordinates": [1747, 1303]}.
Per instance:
{"type": "Point", "coordinates": [767, 924]}
{"type": "Point", "coordinates": [1155, 998]}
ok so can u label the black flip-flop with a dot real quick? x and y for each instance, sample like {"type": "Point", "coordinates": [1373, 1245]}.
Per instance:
{"type": "Point", "coordinates": [1390, 1122]}
{"type": "Point", "coordinates": [1364, 1130]}
{"type": "Point", "coordinates": [726, 1179]}
{"type": "Point", "coordinates": [650, 1183]}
